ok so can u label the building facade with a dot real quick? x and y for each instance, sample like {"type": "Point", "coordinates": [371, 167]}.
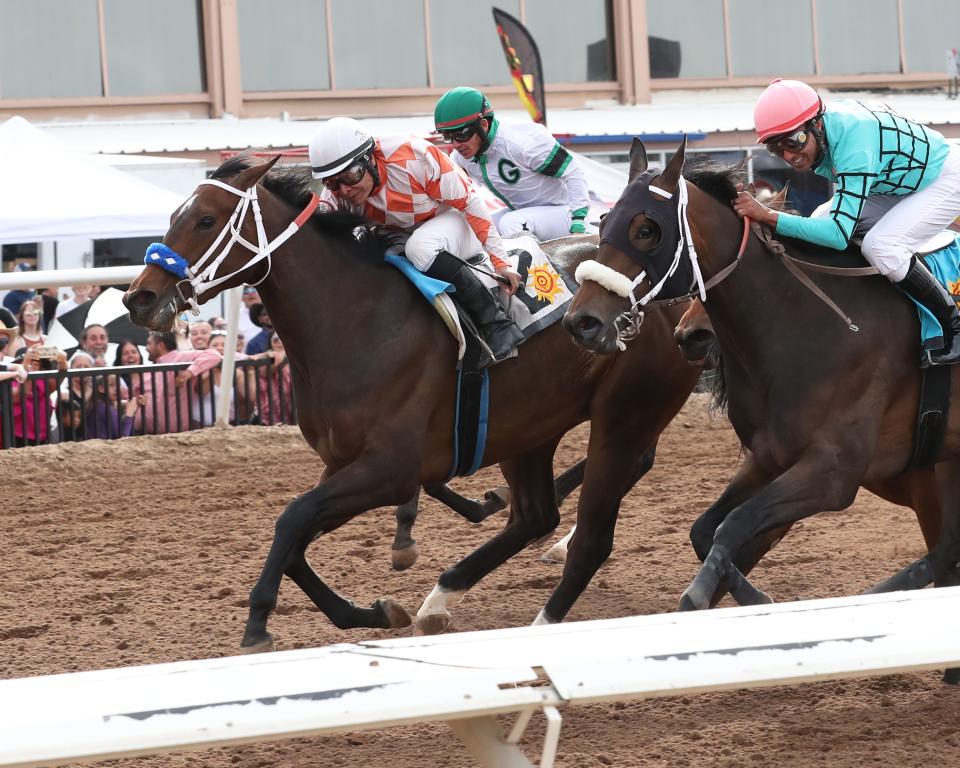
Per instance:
{"type": "Point", "coordinates": [111, 59]}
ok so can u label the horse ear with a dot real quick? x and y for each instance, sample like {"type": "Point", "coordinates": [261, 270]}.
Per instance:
{"type": "Point", "coordinates": [779, 201]}
{"type": "Point", "coordinates": [638, 159]}
{"type": "Point", "coordinates": [251, 176]}
{"type": "Point", "coordinates": [671, 174]}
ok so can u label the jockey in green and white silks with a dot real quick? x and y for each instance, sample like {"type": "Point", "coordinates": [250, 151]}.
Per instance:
{"type": "Point", "coordinates": [542, 185]}
{"type": "Point", "coordinates": [887, 169]}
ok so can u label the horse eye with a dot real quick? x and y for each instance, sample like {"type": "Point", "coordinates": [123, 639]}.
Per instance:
{"type": "Point", "coordinates": [206, 222]}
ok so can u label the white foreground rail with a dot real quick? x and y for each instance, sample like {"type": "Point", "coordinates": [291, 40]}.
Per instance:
{"type": "Point", "coordinates": [468, 678]}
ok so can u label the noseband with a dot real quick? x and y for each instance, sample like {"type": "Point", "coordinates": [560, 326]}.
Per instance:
{"type": "Point", "coordinates": [628, 323]}
{"type": "Point", "coordinates": [200, 278]}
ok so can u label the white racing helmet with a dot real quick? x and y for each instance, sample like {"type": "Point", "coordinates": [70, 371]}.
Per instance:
{"type": "Point", "coordinates": [339, 143]}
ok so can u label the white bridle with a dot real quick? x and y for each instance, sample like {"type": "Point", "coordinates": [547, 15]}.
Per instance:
{"type": "Point", "coordinates": [202, 276]}
{"type": "Point", "coordinates": [628, 323]}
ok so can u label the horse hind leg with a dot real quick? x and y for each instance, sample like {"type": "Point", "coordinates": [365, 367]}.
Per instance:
{"type": "Point", "coordinates": [533, 513]}
{"type": "Point", "coordinates": [938, 566]}
{"type": "Point", "coordinates": [404, 550]}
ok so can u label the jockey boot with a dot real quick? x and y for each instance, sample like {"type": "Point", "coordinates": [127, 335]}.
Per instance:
{"type": "Point", "coordinates": [926, 290]}
{"type": "Point", "coordinates": [499, 331]}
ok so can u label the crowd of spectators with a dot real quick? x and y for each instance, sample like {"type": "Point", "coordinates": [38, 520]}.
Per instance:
{"type": "Point", "coordinates": [131, 396]}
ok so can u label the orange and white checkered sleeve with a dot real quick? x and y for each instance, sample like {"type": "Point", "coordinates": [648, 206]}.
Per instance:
{"type": "Point", "coordinates": [449, 184]}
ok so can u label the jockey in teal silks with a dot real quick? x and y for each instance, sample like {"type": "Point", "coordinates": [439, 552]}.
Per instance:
{"type": "Point", "coordinates": [887, 169]}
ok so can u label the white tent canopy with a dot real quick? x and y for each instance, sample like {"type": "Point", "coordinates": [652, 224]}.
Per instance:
{"type": "Point", "coordinates": [53, 192]}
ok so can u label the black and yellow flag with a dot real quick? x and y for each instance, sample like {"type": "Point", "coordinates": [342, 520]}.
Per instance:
{"type": "Point", "coordinates": [523, 60]}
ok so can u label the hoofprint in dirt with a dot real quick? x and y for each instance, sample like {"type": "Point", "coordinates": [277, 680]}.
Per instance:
{"type": "Point", "coordinates": [143, 550]}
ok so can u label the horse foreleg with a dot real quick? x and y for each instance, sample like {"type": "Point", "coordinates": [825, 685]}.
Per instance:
{"type": "Point", "coordinates": [404, 550]}
{"type": "Point", "coordinates": [610, 474]}
{"type": "Point", "coordinates": [533, 514]}
{"type": "Point", "coordinates": [812, 485]}
{"type": "Point", "coordinates": [942, 558]}
{"type": "Point", "coordinates": [367, 483]}
{"type": "Point", "coordinates": [748, 480]}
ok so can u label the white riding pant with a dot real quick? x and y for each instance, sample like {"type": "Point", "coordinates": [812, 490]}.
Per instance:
{"type": "Point", "coordinates": [447, 231]}
{"type": "Point", "coordinates": [912, 220]}
{"type": "Point", "coordinates": [545, 222]}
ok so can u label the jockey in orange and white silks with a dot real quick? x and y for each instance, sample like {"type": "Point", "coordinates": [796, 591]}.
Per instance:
{"type": "Point", "coordinates": [409, 185]}
{"type": "Point", "coordinates": [901, 174]}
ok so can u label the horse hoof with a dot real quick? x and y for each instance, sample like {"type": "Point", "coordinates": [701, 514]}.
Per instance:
{"type": "Point", "coordinates": [556, 554]}
{"type": "Point", "coordinates": [952, 676]}
{"type": "Point", "coordinates": [397, 616]}
{"type": "Point", "coordinates": [263, 645]}
{"type": "Point", "coordinates": [432, 624]}
{"type": "Point", "coordinates": [401, 559]}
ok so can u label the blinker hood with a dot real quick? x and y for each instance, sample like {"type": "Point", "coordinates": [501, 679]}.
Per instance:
{"type": "Point", "coordinates": [636, 199]}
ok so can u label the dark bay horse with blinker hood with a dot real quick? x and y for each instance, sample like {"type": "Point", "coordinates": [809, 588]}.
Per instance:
{"type": "Point", "coordinates": [373, 376]}
{"type": "Point", "coordinates": [821, 409]}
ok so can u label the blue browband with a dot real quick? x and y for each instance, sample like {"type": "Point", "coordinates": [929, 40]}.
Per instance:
{"type": "Point", "coordinates": [165, 257]}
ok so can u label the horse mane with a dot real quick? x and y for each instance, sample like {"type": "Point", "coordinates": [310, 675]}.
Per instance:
{"type": "Point", "coordinates": [720, 182]}
{"type": "Point", "coordinates": [294, 184]}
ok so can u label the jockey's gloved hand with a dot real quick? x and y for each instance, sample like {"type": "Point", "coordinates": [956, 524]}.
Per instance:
{"type": "Point", "coordinates": [577, 221]}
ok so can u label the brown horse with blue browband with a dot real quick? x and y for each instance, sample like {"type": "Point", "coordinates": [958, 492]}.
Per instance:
{"type": "Point", "coordinates": [373, 378]}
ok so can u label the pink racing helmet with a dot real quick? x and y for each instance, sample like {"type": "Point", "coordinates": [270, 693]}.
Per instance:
{"type": "Point", "coordinates": [784, 106]}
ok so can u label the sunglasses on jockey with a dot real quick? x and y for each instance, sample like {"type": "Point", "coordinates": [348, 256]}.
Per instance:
{"type": "Point", "coordinates": [460, 135]}
{"type": "Point", "coordinates": [349, 177]}
{"type": "Point", "coordinates": [788, 142]}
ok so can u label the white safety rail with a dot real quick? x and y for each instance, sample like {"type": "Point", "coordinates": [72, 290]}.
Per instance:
{"type": "Point", "coordinates": [57, 278]}
{"type": "Point", "coordinates": [466, 679]}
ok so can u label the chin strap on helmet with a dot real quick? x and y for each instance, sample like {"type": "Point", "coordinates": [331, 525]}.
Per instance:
{"type": "Point", "coordinates": [820, 136]}
{"type": "Point", "coordinates": [367, 158]}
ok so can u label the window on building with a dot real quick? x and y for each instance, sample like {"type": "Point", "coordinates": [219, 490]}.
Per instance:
{"type": "Point", "coordinates": [49, 49]}
{"type": "Point", "coordinates": [873, 20]}
{"type": "Point", "coordinates": [771, 38]}
{"type": "Point", "coordinates": [52, 49]}
{"type": "Point", "coordinates": [479, 63]}
{"type": "Point", "coordinates": [17, 254]}
{"type": "Point", "coordinates": [379, 45]}
{"type": "Point", "coordinates": [296, 27]}
{"type": "Point", "coordinates": [930, 27]}
{"type": "Point", "coordinates": [153, 48]}
{"type": "Point", "coordinates": [574, 38]}
{"type": "Point", "coordinates": [681, 49]}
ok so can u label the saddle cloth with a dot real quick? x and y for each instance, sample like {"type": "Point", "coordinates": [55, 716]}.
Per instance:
{"type": "Point", "coordinates": [944, 263]}
{"type": "Point", "coordinates": [538, 304]}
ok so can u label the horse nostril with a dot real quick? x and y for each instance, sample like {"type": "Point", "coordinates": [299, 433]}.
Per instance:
{"type": "Point", "coordinates": [140, 299]}
{"type": "Point", "coordinates": [582, 325]}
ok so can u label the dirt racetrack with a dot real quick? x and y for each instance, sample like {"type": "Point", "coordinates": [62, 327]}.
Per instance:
{"type": "Point", "coordinates": [143, 550]}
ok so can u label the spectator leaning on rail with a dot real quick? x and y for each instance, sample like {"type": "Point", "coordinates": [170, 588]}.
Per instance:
{"type": "Point", "coordinates": [898, 172]}
{"type": "Point", "coordinates": [161, 391]}
{"type": "Point", "coordinates": [410, 185]}
{"type": "Point", "coordinates": [542, 185]}
{"type": "Point", "coordinates": [29, 321]}
{"type": "Point", "coordinates": [94, 341]}
{"type": "Point", "coordinates": [200, 334]}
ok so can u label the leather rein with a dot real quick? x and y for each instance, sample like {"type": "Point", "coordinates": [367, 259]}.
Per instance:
{"type": "Point", "coordinates": [794, 266]}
